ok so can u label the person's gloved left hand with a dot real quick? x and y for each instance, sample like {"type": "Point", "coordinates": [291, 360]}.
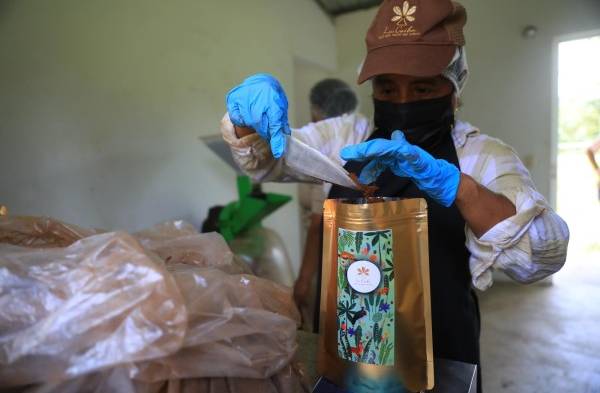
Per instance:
{"type": "Point", "coordinates": [259, 102]}
{"type": "Point", "coordinates": [437, 178]}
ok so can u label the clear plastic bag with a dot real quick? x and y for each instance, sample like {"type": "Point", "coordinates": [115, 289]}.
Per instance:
{"type": "Point", "coordinates": [302, 158]}
{"type": "Point", "coordinates": [40, 232]}
{"type": "Point", "coordinates": [264, 252]}
{"type": "Point", "coordinates": [100, 302]}
{"type": "Point", "coordinates": [114, 380]}
{"type": "Point", "coordinates": [179, 242]}
{"type": "Point", "coordinates": [115, 312]}
{"type": "Point", "coordinates": [287, 380]}
{"type": "Point", "coordinates": [166, 230]}
{"type": "Point", "coordinates": [239, 326]}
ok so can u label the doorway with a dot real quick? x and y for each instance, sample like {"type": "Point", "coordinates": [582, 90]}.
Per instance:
{"type": "Point", "coordinates": [577, 181]}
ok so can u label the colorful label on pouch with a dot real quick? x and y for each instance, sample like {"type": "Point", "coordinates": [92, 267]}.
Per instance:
{"type": "Point", "coordinates": [365, 296]}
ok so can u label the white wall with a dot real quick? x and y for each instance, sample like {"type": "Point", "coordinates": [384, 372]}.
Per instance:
{"type": "Point", "coordinates": [350, 32]}
{"type": "Point", "coordinates": [306, 75]}
{"type": "Point", "coordinates": [102, 102]}
{"type": "Point", "coordinates": [509, 94]}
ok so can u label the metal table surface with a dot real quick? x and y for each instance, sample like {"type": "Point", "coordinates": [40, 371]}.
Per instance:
{"type": "Point", "coordinates": [450, 376]}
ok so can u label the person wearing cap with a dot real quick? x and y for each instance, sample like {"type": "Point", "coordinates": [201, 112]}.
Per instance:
{"type": "Point", "coordinates": [484, 210]}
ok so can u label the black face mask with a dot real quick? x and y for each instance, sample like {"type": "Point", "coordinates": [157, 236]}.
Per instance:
{"type": "Point", "coordinates": [424, 123]}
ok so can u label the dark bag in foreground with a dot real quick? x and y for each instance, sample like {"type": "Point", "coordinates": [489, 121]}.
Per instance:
{"type": "Point", "coordinates": [375, 318]}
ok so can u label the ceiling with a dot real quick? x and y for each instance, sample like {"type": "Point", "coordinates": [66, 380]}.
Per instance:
{"type": "Point", "coordinates": [338, 7]}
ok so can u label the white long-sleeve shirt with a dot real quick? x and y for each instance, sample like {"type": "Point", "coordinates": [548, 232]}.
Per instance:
{"type": "Point", "coordinates": [528, 246]}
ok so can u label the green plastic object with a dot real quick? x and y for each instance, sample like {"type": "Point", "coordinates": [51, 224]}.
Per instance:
{"type": "Point", "coordinates": [249, 210]}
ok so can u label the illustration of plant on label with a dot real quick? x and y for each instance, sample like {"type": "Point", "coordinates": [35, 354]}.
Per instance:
{"type": "Point", "coordinates": [365, 293]}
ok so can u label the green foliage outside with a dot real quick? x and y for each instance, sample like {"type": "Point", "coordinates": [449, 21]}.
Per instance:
{"type": "Point", "coordinates": [579, 121]}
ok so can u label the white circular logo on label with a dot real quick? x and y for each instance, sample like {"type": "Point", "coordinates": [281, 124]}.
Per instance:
{"type": "Point", "coordinates": [363, 276]}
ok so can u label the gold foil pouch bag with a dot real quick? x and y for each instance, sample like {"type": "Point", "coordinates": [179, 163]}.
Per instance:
{"type": "Point", "coordinates": [375, 312]}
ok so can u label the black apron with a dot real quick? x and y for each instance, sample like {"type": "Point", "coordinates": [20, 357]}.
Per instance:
{"type": "Point", "coordinates": [454, 306]}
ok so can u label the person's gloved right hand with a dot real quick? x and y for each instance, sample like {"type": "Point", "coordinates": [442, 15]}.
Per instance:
{"type": "Point", "coordinates": [436, 177]}
{"type": "Point", "coordinates": [260, 103]}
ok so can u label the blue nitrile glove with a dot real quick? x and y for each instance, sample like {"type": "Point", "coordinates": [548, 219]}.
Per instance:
{"type": "Point", "coordinates": [437, 178]}
{"type": "Point", "coordinates": [260, 103]}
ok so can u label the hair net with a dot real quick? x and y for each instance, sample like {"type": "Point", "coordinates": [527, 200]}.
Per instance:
{"type": "Point", "coordinates": [333, 97]}
{"type": "Point", "coordinates": [457, 71]}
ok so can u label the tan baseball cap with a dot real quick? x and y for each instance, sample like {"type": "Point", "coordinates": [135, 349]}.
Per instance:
{"type": "Point", "coordinates": [413, 37]}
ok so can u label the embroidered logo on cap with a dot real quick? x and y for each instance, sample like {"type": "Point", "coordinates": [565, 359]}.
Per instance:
{"type": "Point", "coordinates": [403, 17]}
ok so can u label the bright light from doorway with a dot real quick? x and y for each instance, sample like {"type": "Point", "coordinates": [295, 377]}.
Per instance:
{"type": "Point", "coordinates": [577, 183]}
{"type": "Point", "coordinates": [579, 67]}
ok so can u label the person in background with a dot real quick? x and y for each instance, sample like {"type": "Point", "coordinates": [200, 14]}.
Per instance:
{"type": "Point", "coordinates": [591, 153]}
{"type": "Point", "coordinates": [329, 98]}
{"type": "Point", "coordinates": [484, 211]}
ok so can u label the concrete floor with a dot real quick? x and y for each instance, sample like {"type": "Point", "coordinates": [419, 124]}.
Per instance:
{"type": "Point", "coordinates": [547, 338]}
{"type": "Point", "coordinates": [543, 338]}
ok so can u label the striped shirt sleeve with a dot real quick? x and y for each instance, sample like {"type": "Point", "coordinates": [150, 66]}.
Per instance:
{"type": "Point", "coordinates": [528, 246]}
